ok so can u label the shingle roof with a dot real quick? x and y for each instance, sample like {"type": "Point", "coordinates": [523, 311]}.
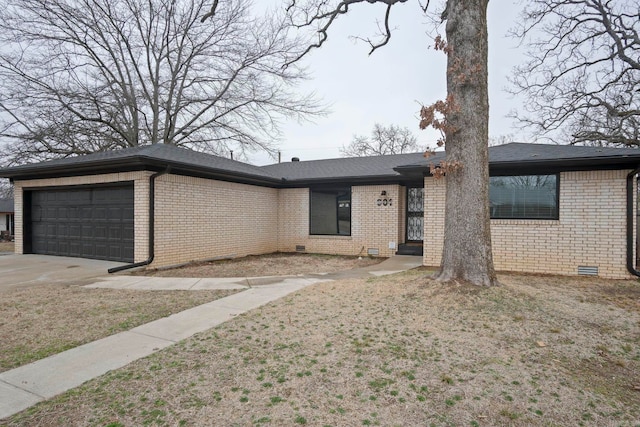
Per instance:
{"type": "Point", "coordinates": [158, 155]}
{"type": "Point", "coordinates": [519, 151]}
{"type": "Point", "coordinates": [354, 169]}
{"type": "Point", "coordinates": [343, 168]}
{"type": "Point", "coordinates": [6, 205]}
{"type": "Point", "coordinates": [518, 154]}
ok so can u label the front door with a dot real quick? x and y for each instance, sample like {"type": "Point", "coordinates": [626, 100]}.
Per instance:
{"type": "Point", "coordinates": [415, 214]}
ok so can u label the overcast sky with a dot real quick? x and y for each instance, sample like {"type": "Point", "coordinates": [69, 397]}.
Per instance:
{"type": "Point", "coordinates": [389, 86]}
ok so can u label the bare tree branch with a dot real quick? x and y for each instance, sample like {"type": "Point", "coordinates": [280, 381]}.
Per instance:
{"type": "Point", "coordinates": [324, 15]}
{"type": "Point", "coordinates": [384, 140]}
{"type": "Point", "coordinates": [386, 36]}
{"type": "Point", "coordinates": [582, 79]}
{"type": "Point", "coordinates": [211, 12]}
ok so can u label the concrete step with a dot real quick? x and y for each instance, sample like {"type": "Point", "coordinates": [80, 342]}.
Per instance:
{"type": "Point", "coordinates": [410, 249]}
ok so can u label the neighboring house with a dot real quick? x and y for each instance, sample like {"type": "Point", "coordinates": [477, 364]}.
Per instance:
{"type": "Point", "coordinates": [6, 218]}
{"type": "Point", "coordinates": [555, 209]}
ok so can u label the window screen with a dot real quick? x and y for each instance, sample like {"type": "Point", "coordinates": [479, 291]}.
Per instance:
{"type": "Point", "coordinates": [524, 197]}
{"type": "Point", "coordinates": [330, 211]}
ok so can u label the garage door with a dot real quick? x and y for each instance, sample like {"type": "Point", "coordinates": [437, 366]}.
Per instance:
{"type": "Point", "coordinates": [81, 222]}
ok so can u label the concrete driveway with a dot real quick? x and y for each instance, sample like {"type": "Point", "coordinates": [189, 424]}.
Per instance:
{"type": "Point", "coordinates": [20, 271]}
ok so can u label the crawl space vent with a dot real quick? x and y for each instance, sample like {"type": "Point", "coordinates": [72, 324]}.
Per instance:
{"type": "Point", "coordinates": [373, 251]}
{"type": "Point", "coordinates": [585, 270]}
{"type": "Point", "coordinates": [300, 248]}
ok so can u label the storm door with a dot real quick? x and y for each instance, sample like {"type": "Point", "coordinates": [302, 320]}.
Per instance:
{"type": "Point", "coordinates": [415, 214]}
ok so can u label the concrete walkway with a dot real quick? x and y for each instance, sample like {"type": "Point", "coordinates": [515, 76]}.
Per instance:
{"type": "Point", "coordinates": [27, 385]}
{"type": "Point", "coordinates": [392, 265]}
{"type": "Point", "coordinates": [148, 283]}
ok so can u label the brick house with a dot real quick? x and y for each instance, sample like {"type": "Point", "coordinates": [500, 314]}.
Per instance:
{"type": "Point", "coordinates": [6, 219]}
{"type": "Point", "coordinates": [555, 209]}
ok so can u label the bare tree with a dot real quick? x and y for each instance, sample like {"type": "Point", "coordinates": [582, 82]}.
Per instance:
{"type": "Point", "coordinates": [502, 139]}
{"type": "Point", "coordinates": [6, 189]}
{"type": "Point", "coordinates": [467, 252]}
{"type": "Point", "coordinates": [582, 79]}
{"type": "Point", "coordinates": [79, 76]}
{"type": "Point", "coordinates": [384, 140]}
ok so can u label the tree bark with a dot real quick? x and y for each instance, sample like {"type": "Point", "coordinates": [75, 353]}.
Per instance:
{"type": "Point", "coordinates": [466, 256]}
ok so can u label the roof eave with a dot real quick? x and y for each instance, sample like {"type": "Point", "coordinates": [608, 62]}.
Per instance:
{"type": "Point", "coordinates": [412, 170]}
{"type": "Point", "coordinates": [215, 173]}
{"type": "Point", "coordinates": [565, 165]}
{"type": "Point", "coordinates": [345, 180]}
{"type": "Point", "coordinates": [542, 166]}
{"type": "Point", "coordinates": [129, 164]}
{"type": "Point", "coordinates": [84, 168]}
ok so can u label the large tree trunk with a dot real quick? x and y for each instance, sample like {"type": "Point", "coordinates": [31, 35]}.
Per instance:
{"type": "Point", "coordinates": [467, 253]}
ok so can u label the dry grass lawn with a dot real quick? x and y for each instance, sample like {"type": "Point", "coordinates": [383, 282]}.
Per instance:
{"type": "Point", "coordinates": [40, 321]}
{"type": "Point", "coordinates": [6, 246]}
{"type": "Point", "coordinates": [391, 351]}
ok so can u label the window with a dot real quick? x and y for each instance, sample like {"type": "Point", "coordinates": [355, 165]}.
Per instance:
{"type": "Point", "coordinates": [524, 197]}
{"type": "Point", "coordinates": [330, 211]}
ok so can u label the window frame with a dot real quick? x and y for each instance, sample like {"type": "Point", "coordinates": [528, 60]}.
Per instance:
{"type": "Point", "coordinates": [554, 217]}
{"type": "Point", "coordinates": [331, 188]}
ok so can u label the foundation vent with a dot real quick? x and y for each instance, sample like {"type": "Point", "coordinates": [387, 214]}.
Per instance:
{"type": "Point", "coordinates": [585, 270]}
{"type": "Point", "coordinates": [300, 248]}
{"type": "Point", "coordinates": [373, 251]}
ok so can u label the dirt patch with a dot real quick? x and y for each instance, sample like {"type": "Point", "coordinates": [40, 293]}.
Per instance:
{"type": "Point", "coordinates": [279, 264]}
{"type": "Point", "coordinates": [397, 350]}
{"type": "Point", "coordinates": [40, 321]}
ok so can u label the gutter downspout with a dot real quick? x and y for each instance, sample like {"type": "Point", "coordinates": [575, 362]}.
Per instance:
{"type": "Point", "coordinates": [631, 265]}
{"type": "Point", "coordinates": [152, 200]}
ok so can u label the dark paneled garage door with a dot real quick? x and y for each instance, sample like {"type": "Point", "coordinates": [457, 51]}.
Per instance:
{"type": "Point", "coordinates": [81, 222]}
